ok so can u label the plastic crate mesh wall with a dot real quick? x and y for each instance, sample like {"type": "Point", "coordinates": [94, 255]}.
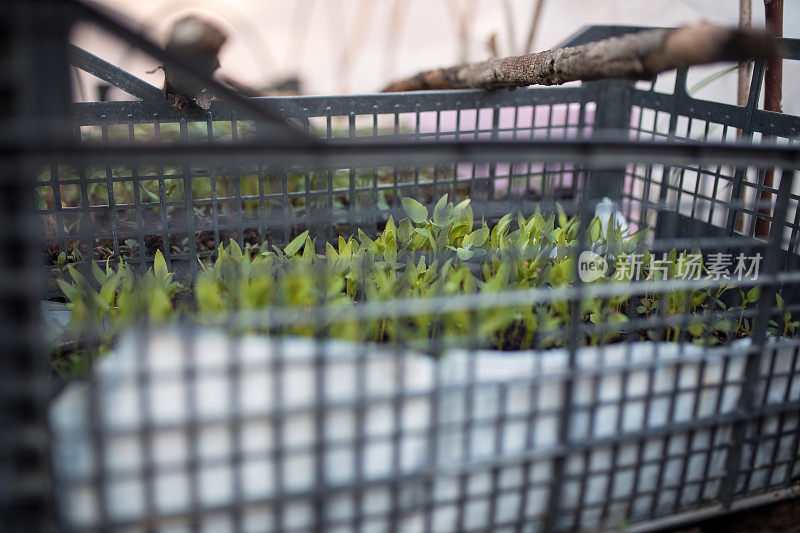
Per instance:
{"type": "Point", "coordinates": [650, 431]}
{"type": "Point", "coordinates": [131, 211]}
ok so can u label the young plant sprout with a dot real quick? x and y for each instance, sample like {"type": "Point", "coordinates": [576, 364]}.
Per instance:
{"type": "Point", "coordinates": [443, 253]}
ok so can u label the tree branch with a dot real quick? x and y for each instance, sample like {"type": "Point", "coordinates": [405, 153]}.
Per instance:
{"type": "Point", "coordinates": [745, 71]}
{"type": "Point", "coordinates": [634, 56]}
{"type": "Point", "coordinates": [537, 14]}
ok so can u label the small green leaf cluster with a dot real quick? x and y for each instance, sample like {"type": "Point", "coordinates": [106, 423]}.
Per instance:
{"type": "Point", "coordinates": [116, 298]}
{"type": "Point", "coordinates": [787, 326]}
{"type": "Point", "coordinates": [443, 253]}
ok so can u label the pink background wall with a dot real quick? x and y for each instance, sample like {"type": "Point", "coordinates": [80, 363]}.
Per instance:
{"type": "Point", "coordinates": [343, 46]}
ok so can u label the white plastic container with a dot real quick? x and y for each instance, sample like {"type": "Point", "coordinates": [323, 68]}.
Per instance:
{"type": "Point", "coordinates": [642, 417]}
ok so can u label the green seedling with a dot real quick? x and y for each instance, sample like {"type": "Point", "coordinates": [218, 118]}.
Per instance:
{"type": "Point", "coordinates": [441, 252]}
{"type": "Point", "coordinates": [787, 327]}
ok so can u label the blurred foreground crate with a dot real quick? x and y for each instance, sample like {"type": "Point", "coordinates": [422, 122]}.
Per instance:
{"type": "Point", "coordinates": [370, 416]}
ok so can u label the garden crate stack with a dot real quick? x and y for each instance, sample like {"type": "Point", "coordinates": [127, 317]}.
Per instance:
{"type": "Point", "coordinates": [535, 310]}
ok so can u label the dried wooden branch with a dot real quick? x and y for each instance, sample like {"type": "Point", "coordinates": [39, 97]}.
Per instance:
{"type": "Point", "coordinates": [396, 20]}
{"type": "Point", "coordinates": [535, 17]}
{"type": "Point", "coordinates": [355, 42]}
{"type": "Point", "coordinates": [197, 42]}
{"type": "Point", "coordinates": [508, 11]}
{"type": "Point", "coordinates": [464, 15]}
{"type": "Point", "coordinates": [745, 71]}
{"type": "Point", "coordinates": [634, 56]}
{"type": "Point", "coordinates": [773, 93]}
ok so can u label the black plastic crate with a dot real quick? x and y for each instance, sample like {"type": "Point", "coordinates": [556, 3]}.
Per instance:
{"type": "Point", "coordinates": [574, 437]}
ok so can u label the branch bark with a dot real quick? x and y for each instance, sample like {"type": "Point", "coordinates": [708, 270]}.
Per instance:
{"type": "Point", "coordinates": [773, 94]}
{"type": "Point", "coordinates": [508, 11]}
{"type": "Point", "coordinates": [634, 56]}
{"type": "Point", "coordinates": [745, 71]}
{"type": "Point", "coordinates": [197, 42]}
{"type": "Point", "coordinates": [464, 18]}
{"type": "Point", "coordinates": [537, 14]}
{"type": "Point", "coordinates": [773, 76]}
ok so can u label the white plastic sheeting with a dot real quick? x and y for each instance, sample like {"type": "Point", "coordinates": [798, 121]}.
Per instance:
{"type": "Point", "coordinates": [152, 415]}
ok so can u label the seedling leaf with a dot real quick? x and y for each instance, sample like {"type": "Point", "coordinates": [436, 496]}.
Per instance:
{"type": "Point", "coordinates": [415, 210]}
{"type": "Point", "coordinates": [297, 243]}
